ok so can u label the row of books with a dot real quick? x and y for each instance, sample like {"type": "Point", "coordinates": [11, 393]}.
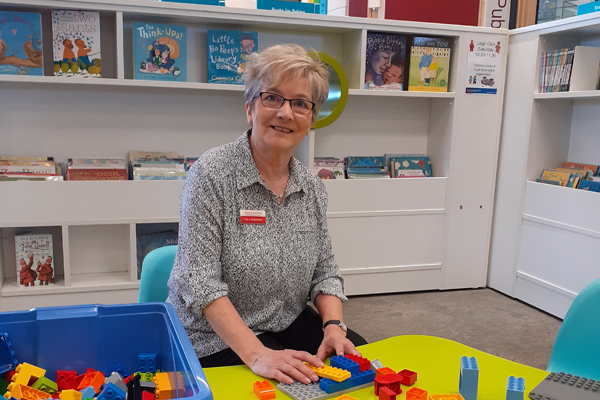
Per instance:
{"type": "Point", "coordinates": [138, 166]}
{"type": "Point", "coordinates": [373, 167]}
{"type": "Point", "coordinates": [573, 175]}
{"type": "Point", "coordinates": [393, 61]}
{"type": "Point", "coordinates": [555, 70]}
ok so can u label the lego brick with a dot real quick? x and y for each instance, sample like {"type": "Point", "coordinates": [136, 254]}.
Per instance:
{"type": "Point", "coordinates": [111, 392]}
{"type": "Point", "coordinates": [469, 378]}
{"type": "Point", "coordinates": [387, 394]}
{"type": "Point", "coordinates": [116, 378]}
{"type": "Point", "coordinates": [88, 393]}
{"type": "Point", "coordinates": [345, 363]}
{"type": "Point", "coordinates": [408, 377]}
{"type": "Point", "coordinates": [263, 390]}
{"type": "Point", "coordinates": [148, 387]}
{"type": "Point", "coordinates": [121, 370]}
{"type": "Point", "coordinates": [67, 383]}
{"type": "Point", "coordinates": [345, 397]}
{"type": "Point", "coordinates": [25, 372]}
{"type": "Point", "coordinates": [312, 391]}
{"type": "Point", "coordinates": [147, 362]}
{"type": "Point", "coordinates": [146, 376]}
{"type": "Point", "coordinates": [93, 379]}
{"type": "Point", "coordinates": [416, 394]}
{"type": "Point", "coordinates": [363, 363]}
{"type": "Point", "coordinates": [177, 385]}
{"type": "Point", "coordinates": [163, 387]}
{"type": "Point", "coordinates": [147, 396]}
{"type": "Point", "coordinates": [45, 385]}
{"type": "Point", "coordinates": [561, 386]}
{"type": "Point", "coordinates": [329, 372]}
{"type": "Point", "coordinates": [515, 388]}
{"type": "Point", "coordinates": [446, 397]}
{"type": "Point", "coordinates": [70, 394]}
{"type": "Point", "coordinates": [7, 355]}
{"type": "Point", "coordinates": [376, 364]}
{"type": "Point", "coordinates": [384, 371]}
{"type": "Point", "coordinates": [3, 386]}
{"type": "Point", "coordinates": [21, 392]}
{"type": "Point", "coordinates": [391, 381]}
{"type": "Point", "coordinates": [329, 386]}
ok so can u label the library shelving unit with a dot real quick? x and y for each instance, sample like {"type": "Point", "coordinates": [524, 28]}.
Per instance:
{"type": "Point", "coordinates": [544, 237]}
{"type": "Point", "coordinates": [388, 235]}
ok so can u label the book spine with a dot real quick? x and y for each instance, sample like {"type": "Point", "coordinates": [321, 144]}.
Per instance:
{"type": "Point", "coordinates": [97, 175]}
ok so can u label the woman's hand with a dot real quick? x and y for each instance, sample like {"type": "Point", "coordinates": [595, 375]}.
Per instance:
{"type": "Point", "coordinates": [285, 365]}
{"type": "Point", "coordinates": [335, 340]}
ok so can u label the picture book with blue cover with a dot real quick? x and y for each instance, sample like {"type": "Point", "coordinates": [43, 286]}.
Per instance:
{"type": "Point", "coordinates": [20, 43]}
{"type": "Point", "coordinates": [147, 243]}
{"type": "Point", "coordinates": [159, 52]}
{"type": "Point", "coordinates": [228, 52]}
{"type": "Point", "coordinates": [386, 61]}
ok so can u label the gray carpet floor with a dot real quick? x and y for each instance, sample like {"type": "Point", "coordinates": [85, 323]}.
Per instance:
{"type": "Point", "coordinates": [482, 318]}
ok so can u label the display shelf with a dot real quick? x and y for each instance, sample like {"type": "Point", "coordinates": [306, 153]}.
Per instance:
{"type": "Point", "coordinates": [583, 94]}
{"type": "Point", "coordinates": [433, 95]}
{"type": "Point", "coordinates": [11, 288]}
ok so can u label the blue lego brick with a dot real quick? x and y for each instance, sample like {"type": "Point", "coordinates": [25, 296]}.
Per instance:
{"type": "Point", "coordinates": [147, 362]}
{"type": "Point", "coordinates": [311, 391]}
{"type": "Point", "coordinates": [88, 393]}
{"type": "Point", "coordinates": [344, 363]}
{"type": "Point", "coordinates": [7, 355]}
{"type": "Point", "coordinates": [111, 392]}
{"type": "Point", "coordinates": [329, 386]}
{"type": "Point", "coordinates": [515, 388]}
{"type": "Point", "coordinates": [121, 370]}
{"type": "Point", "coordinates": [469, 378]}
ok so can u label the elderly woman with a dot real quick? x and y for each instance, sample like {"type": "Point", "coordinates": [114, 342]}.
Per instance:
{"type": "Point", "coordinates": [253, 238]}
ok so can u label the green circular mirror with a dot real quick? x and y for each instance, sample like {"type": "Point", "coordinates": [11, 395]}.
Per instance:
{"type": "Point", "coordinates": [338, 92]}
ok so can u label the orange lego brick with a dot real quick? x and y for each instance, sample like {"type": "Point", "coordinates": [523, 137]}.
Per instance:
{"type": "Point", "coordinates": [70, 394]}
{"type": "Point", "coordinates": [263, 390]}
{"type": "Point", "coordinates": [33, 394]}
{"type": "Point", "coordinates": [446, 397]}
{"type": "Point", "coordinates": [345, 397]}
{"type": "Point", "coordinates": [333, 373]}
{"type": "Point", "coordinates": [416, 394]}
{"type": "Point", "coordinates": [93, 379]}
{"type": "Point", "coordinates": [24, 372]}
{"type": "Point", "coordinates": [163, 387]}
{"type": "Point", "coordinates": [384, 371]}
{"type": "Point", "coordinates": [176, 386]}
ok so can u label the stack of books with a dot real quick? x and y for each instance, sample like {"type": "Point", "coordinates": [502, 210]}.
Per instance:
{"type": "Point", "coordinates": [159, 169]}
{"type": "Point", "coordinates": [366, 167]}
{"type": "Point", "coordinates": [555, 70]}
{"type": "Point", "coordinates": [573, 175]}
{"type": "Point", "coordinates": [408, 165]}
{"type": "Point", "coordinates": [97, 169]}
{"type": "Point", "coordinates": [328, 168]}
{"type": "Point", "coordinates": [18, 168]}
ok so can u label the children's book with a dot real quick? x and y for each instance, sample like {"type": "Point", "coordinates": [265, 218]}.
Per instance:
{"type": "Point", "coordinates": [159, 52]}
{"type": "Point", "coordinates": [364, 161]}
{"type": "Point", "coordinates": [35, 259]}
{"type": "Point", "coordinates": [429, 64]}
{"type": "Point", "coordinates": [76, 43]}
{"type": "Point", "coordinates": [410, 166]}
{"type": "Point", "coordinates": [328, 168]}
{"type": "Point", "coordinates": [147, 243]}
{"type": "Point", "coordinates": [561, 176]}
{"type": "Point", "coordinates": [591, 167]}
{"type": "Point", "coordinates": [228, 52]}
{"type": "Point", "coordinates": [20, 43]}
{"type": "Point", "coordinates": [590, 185]}
{"type": "Point", "coordinates": [386, 61]}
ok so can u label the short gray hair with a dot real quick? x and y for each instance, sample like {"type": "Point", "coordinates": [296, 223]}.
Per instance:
{"type": "Point", "coordinates": [281, 62]}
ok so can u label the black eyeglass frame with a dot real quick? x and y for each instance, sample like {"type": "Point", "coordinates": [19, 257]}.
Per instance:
{"type": "Point", "coordinates": [283, 102]}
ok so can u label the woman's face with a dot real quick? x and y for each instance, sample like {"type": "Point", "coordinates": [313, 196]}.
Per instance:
{"type": "Point", "coordinates": [380, 60]}
{"type": "Point", "coordinates": [280, 130]}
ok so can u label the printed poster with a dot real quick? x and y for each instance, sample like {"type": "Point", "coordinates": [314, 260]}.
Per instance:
{"type": "Point", "coordinates": [483, 66]}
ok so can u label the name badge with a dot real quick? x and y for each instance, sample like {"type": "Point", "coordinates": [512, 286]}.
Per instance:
{"type": "Point", "coordinates": [256, 217]}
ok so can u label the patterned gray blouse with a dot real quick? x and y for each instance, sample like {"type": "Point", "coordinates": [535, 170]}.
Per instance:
{"type": "Point", "coordinates": [267, 271]}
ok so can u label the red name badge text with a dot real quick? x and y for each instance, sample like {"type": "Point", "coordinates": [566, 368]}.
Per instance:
{"type": "Point", "coordinates": [255, 217]}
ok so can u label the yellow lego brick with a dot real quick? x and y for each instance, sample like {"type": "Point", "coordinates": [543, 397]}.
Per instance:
{"type": "Point", "coordinates": [163, 387]}
{"type": "Point", "coordinates": [13, 390]}
{"type": "Point", "coordinates": [345, 397]}
{"type": "Point", "coordinates": [25, 371]}
{"type": "Point", "coordinates": [70, 394]}
{"type": "Point", "coordinates": [333, 373]}
{"type": "Point", "coordinates": [446, 397]}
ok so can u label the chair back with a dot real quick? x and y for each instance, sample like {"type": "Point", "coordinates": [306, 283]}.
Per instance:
{"type": "Point", "coordinates": [156, 270]}
{"type": "Point", "coordinates": [577, 347]}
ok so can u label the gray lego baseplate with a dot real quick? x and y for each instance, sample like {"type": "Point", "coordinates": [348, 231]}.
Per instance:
{"type": "Point", "coordinates": [561, 386]}
{"type": "Point", "coordinates": [312, 391]}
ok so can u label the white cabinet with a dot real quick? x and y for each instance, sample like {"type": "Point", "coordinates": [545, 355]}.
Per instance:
{"type": "Point", "coordinates": [388, 236]}
{"type": "Point", "coordinates": [545, 238]}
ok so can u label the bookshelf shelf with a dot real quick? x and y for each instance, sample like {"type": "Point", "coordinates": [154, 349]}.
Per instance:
{"type": "Point", "coordinates": [584, 94]}
{"type": "Point", "coordinates": [417, 234]}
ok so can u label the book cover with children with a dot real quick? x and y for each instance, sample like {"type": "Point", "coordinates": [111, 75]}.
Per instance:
{"type": "Point", "coordinates": [35, 259]}
{"type": "Point", "coordinates": [228, 52]}
{"type": "Point", "coordinates": [159, 52]}
{"type": "Point", "coordinates": [429, 64]}
{"type": "Point", "coordinates": [386, 60]}
{"type": "Point", "coordinates": [20, 43]}
{"type": "Point", "coordinates": [76, 43]}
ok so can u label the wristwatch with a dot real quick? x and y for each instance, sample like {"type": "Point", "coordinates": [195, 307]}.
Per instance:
{"type": "Point", "coordinates": [336, 322]}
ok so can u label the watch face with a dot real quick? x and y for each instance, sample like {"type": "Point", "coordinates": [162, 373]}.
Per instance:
{"type": "Point", "coordinates": [344, 327]}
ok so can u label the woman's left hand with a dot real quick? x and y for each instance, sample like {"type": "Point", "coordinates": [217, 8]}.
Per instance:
{"type": "Point", "coordinates": [335, 340]}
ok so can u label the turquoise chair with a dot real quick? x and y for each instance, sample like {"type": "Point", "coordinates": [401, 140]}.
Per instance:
{"type": "Point", "coordinates": [156, 270]}
{"type": "Point", "coordinates": [577, 347]}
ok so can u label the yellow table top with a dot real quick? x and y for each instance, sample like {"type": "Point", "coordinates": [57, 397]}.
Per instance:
{"type": "Point", "coordinates": [435, 360]}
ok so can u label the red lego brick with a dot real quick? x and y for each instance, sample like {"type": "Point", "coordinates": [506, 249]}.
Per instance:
{"type": "Point", "coordinates": [384, 371]}
{"type": "Point", "coordinates": [147, 395]}
{"type": "Point", "coordinates": [408, 377]}
{"type": "Point", "coordinates": [390, 381]}
{"type": "Point", "coordinates": [8, 376]}
{"type": "Point", "coordinates": [56, 395]}
{"type": "Point", "coordinates": [130, 377]}
{"type": "Point", "coordinates": [263, 390]}
{"type": "Point", "coordinates": [387, 394]}
{"type": "Point", "coordinates": [65, 373]}
{"type": "Point", "coordinates": [67, 383]}
{"type": "Point", "coordinates": [363, 363]}
{"type": "Point", "coordinates": [78, 380]}
{"type": "Point", "coordinates": [93, 379]}
{"type": "Point", "coordinates": [88, 370]}
{"type": "Point", "coordinates": [416, 394]}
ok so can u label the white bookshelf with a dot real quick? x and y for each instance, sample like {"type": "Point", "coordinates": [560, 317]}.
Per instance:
{"type": "Point", "coordinates": [388, 235]}
{"type": "Point", "coordinates": [544, 237]}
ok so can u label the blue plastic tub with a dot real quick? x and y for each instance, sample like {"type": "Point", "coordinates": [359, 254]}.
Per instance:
{"type": "Point", "coordinates": [102, 337]}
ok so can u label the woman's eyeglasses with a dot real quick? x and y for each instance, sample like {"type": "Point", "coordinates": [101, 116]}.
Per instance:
{"type": "Point", "coordinates": [275, 101]}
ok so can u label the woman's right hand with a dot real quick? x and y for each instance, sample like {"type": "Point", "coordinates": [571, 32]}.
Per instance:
{"type": "Point", "coordinates": [285, 365]}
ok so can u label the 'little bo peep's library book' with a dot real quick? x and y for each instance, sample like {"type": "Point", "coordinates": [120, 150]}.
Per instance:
{"type": "Point", "coordinates": [159, 52]}
{"type": "Point", "coordinates": [20, 43]}
{"type": "Point", "coordinates": [228, 52]}
{"type": "Point", "coordinates": [76, 43]}
{"type": "Point", "coordinates": [429, 64]}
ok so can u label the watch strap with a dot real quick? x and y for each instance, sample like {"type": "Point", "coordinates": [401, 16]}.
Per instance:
{"type": "Point", "coordinates": [334, 322]}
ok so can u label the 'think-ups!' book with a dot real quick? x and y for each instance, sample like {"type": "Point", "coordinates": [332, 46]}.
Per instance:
{"type": "Point", "coordinates": [159, 52]}
{"type": "Point", "coordinates": [76, 43]}
{"type": "Point", "coordinates": [228, 52]}
{"type": "Point", "coordinates": [20, 43]}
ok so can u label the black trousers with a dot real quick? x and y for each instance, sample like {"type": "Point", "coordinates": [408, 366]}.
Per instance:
{"type": "Point", "coordinates": [305, 333]}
